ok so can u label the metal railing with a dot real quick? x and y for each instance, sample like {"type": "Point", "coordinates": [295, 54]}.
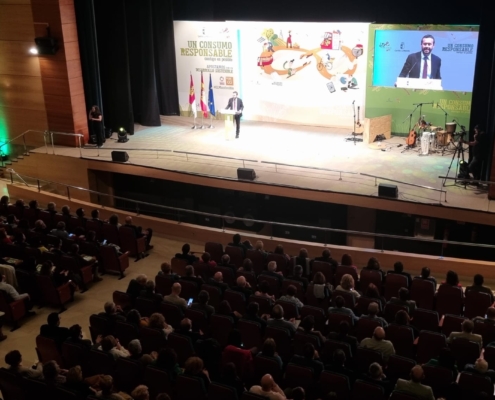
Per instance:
{"type": "Point", "coordinates": [179, 214]}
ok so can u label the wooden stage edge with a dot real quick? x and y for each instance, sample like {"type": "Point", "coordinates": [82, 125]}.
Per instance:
{"type": "Point", "coordinates": [198, 235]}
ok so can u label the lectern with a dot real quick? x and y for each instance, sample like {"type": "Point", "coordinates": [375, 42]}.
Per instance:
{"type": "Point", "coordinates": [229, 123]}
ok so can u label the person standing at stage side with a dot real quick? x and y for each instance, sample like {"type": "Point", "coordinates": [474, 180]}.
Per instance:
{"type": "Point", "coordinates": [236, 105]}
{"type": "Point", "coordinates": [480, 146]}
{"type": "Point", "coordinates": [423, 64]}
{"type": "Point", "coordinates": [96, 125]}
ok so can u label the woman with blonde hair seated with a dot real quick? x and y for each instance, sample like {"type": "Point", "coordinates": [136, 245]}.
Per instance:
{"type": "Point", "coordinates": [157, 321]}
{"type": "Point", "coordinates": [347, 285]}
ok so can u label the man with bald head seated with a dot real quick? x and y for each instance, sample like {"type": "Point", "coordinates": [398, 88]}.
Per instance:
{"type": "Point", "coordinates": [268, 388]}
{"type": "Point", "coordinates": [480, 367]}
{"type": "Point", "coordinates": [217, 281]}
{"type": "Point", "coordinates": [414, 387]}
{"type": "Point", "coordinates": [175, 298]}
{"type": "Point", "coordinates": [378, 343]}
{"type": "Point", "coordinates": [243, 287]}
{"type": "Point", "coordinates": [138, 232]}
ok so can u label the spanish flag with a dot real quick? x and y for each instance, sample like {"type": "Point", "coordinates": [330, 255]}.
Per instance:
{"type": "Point", "coordinates": [192, 97]}
{"type": "Point", "coordinates": [204, 107]}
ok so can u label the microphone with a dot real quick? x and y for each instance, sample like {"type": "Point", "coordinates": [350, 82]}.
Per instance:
{"type": "Point", "coordinates": [411, 68]}
{"type": "Point", "coordinates": [353, 101]}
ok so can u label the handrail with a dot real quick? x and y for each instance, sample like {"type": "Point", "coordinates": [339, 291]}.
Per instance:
{"type": "Point", "coordinates": [466, 179]}
{"type": "Point", "coordinates": [222, 217]}
{"type": "Point", "coordinates": [306, 167]}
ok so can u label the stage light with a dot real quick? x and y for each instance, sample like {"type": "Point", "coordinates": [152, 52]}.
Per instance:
{"type": "Point", "coordinates": [45, 45]}
{"type": "Point", "coordinates": [122, 134]}
{"type": "Point", "coordinates": [33, 50]}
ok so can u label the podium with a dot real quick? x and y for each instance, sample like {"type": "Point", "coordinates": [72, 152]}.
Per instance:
{"type": "Point", "coordinates": [229, 123]}
{"type": "Point", "coordinates": [417, 83]}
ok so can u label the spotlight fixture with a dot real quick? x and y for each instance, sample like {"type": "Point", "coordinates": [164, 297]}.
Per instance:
{"type": "Point", "coordinates": [46, 45]}
{"type": "Point", "coordinates": [122, 134]}
{"type": "Point", "coordinates": [33, 50]}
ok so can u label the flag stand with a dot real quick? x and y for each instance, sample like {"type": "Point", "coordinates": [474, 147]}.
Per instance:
{"type": "Point", "coordinates": [211, 122]}
{"type": "Point", "coordinates": [202, 122]}
{"type": "Point", "coordinates": [194, 122]}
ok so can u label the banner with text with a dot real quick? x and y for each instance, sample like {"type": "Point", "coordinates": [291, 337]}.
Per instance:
{"type": "Point", "coordinates": [303, 73]}
{"type": "Point", "coordinates": [211, 48]}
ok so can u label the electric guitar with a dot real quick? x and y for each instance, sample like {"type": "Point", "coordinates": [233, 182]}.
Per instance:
{"type": "Point", "coordinates": [359, 125]}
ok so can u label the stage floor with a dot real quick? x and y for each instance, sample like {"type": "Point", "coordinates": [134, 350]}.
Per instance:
{"type": "Point", "coordinates": [306, 148]}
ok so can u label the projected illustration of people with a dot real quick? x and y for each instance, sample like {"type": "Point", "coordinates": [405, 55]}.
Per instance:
{"type": "Point", "coordinates": [289, 40]}
{"type": "Point", "coordinates": [290, 70]}
{"type": "Point", "coordinates": [423, 64]}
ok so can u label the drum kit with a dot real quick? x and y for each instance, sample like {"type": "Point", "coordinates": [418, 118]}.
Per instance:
{"type": "Point", "coordinates": [433, 139]}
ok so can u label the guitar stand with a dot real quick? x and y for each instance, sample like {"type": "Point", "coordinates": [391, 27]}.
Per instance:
{"type": "Point", "coordinates": [407, 148]}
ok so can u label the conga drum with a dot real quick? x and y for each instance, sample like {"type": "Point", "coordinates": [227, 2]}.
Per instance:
{"type": "Point", "coordinates": [443, 138]}
{"type": "Point", "coordinates": [450, 127]}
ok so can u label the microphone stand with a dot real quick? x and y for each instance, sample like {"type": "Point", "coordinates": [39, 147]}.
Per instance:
{"type": "Point", "coordinates": [354, 137]}
{"type": "Point", "coordinates": [410, 125]}
{"type": "Point", "coordinates": [445, 127]}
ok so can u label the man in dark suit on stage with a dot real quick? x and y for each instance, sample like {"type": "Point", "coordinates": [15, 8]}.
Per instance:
{"type": "Point", "coordinates": [237, 105]}
{"type": "Point", "coordinates": [423, 64]}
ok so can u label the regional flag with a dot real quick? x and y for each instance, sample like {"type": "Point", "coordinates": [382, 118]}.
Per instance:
{"type": "Point", "coordinates": [211, 100]}
{"type": "Point", "coordinates": [204, 108]}
{"type": "Point", "coordinates": [192, 97]}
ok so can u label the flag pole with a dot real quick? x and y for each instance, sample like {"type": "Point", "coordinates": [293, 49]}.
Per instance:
{"type": "Point", "coordinates": [194, 122]}
{"type": "Point", "coordinates": [202, 120]}
{"type": "Point", "coordinates": [211, 121]}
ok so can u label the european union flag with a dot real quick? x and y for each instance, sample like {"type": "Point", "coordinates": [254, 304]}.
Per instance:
{"type": "Point", "coordinates": [211, 99]}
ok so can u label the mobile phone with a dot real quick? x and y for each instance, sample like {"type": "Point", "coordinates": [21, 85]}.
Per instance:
{"type": "Point", "coordinates": [189, 302]}
{"type": "Point", "coordinates": [105, 242]}
{"type": "Point", "coordinates": [331, 87]}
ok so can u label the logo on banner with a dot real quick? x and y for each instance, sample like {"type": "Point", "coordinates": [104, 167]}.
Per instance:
{"type": "Point", "coordinates": [230, 80]}
{"type": "Point", "coordinates": [222, 80]}
{"type": "Point", "coordinates": [402, 48]}
{"type": "Point", "coordinates": [385, 45]}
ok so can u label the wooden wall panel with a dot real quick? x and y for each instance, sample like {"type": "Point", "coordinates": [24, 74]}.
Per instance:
{"type": "Point", "coordinates": [16, 23]}
{"type": "Point", "coordinates": [21, 92]}
{"type": "Point", "coordinates": [16, 60]}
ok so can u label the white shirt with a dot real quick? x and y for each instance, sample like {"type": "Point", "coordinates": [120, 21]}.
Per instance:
{"type": "Point", "coordinates": [428, 74]}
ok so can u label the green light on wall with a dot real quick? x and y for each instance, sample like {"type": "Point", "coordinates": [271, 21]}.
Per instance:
{"type": "Point", "coordinates": [4, 137]}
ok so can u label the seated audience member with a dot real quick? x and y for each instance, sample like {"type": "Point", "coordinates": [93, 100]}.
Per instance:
{"type": "Point", "coordinates": [75, 383]}
{"type": "Point", "coordinates": [53, 330]}
{"type": "Point", "coordinates": [95, 216]}
{"type": "Point", "coordinates": [425, 275]}
{"type": "Point", "coordinates": [113, 313]}
{"type": "Point", "coordinates": [12, 293]}
{"type": "Point", "coordinates": [340, 309]}
{"type": "Point", "coordinates": [163, 396]}
{"type": "Point", "coordinates": [399, 270]}
{"type": "Point", "coordinates": [338, 365]}
{"type": "Point", "coordinates": [136, 285]}
{"type": "Point", "coordinates": [378, 343]}
{"type": "Point", "coordinates": [251, 315]}
{"type": "Point", "coordinates": [57, 248]}
{"type": "Point", "coordinates": [136, 353]}
{"type": "Point", "coordinates": [217, 281]}
{"type": "Point", "coordinates": [138, 232]}
{"type": "Point", "coordinates": [236, 241]}
{"type": "Point", "coordinates": [66, 212]}
{"type": "Point", "coordinates": [414, 387]}
{"type": "Point", "coordinates": [141, 392]}
{"type": "Point", "coordinates": [477, 286]}
{"type": "Point", "coordinates": [310, 359]}
{"type": "Point", "coordinates": [186, 254]}
{"type": "Point", "coordinates": [60, 231]}
{"type": "Point", "coordinates": [206, 259]}
{"type": "Point", "coordinates": [191, 277]}
{"type": "Point", "coordinates": [290, 297]}
{"type": "Point", "coordinates": [402, 318]}
{"type": "Point", "coordinates": [343, 336]}
{"type": "Point", "coordinates": [372, 292]}
{"type": "Point", "coordinates": [480, 367]}
{"type": "Point", "coordinates": [307, 326]}
{"type": "Point", "coordinates": [243, 287]}
{"type": "Point", "coordinates": [225, 310]}
{"type": "Point", "coordinates": [489, 318]}
{"type": "Point", "coordinates": [194, 366]}
{"type": "Point", "coordinates": [271, 270]}
{"type": "Point", "coordinates": [111, 345]}
{"type": "Point", "coordinates": [268, 389]}
{"type": "Point", "coordinates": [149, 292]}
{"type": "Point", "coordinates": [452, 279]}
{"type": "Point", "coordinates": [279, 249]}
{"type": "Point", "coordinates": [157, 321]}
{"type": "Point", "coordinates": [346, 261]}
{"type": "Point", "coordinates": [303, 261]}
{"type": "Point", "coordinates": [326, 256]}
{"type": "Point", "coordinates": [347, 285]}
{"type": "Point", "coordinates": [269, 350]}
{"type": "Point", "coordinates": [167, 361]}
{"type": "Point", "coordinates": [175, 298]}
{"type": "Point", "coordinates": [185, 328]}
{"type": "Point", "coordinates": [136, 320]}
{"type": "Point", "coordinates": [264, 288]}
{"type": "Point", "coordinates": [298, 276]}
{"type": "Point", "coordinates": [467, 327]}
{"type": "Point", "coordinates": [321, 288]}
{"type": "Point", "coordinates": [202, 304]}
{"type": "Point", "coordinates": [4, 238]}
{"type": "Point", "coordinates": [404, 300]}
{"type": "Point", "coordinates": [114, 221]}
{"type": "Point", "coordinates": [76, 338]}
{"type": "Point", "coordinates": [234, 352]}
{"type": "Point", "coordinates": [60, 277]}
{"type": "Point", "coordinates": [260, 248]}
{"type": "Point", "coordinates": [277, 320]}
{"type": "Point", "coordinates": [107, 390]}
{"type": "Point", "coordinates": [374, 265]}
{"type": "Point", "coordinates": [373, 310]}
{"type": "Point", "coordinates": [377, 377]}
{"type": "Point", "coordinates": [40, 227]}
{"type": "Point", "coordinates": [229, 378]}
{"type": "Point", "coordinates": [247, 266]}
{"type": "Point", "coordinates": [80, 261]}
{"type": "Point", "coordinates": [445, 360]}
{"type": "Point", "coordinates": [52, 374]}
{"type": "Point", "coordinates": [14, 360]}
{"type": "Point", "coordinates": [225, 262]}
{"type": "Point", "coordinates": [166, 270]}
{"type": "Point", "coordinates": [80, 214]}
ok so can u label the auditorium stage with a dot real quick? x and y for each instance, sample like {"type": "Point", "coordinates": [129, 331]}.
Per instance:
{"type": "Point", "coordinates": [306, 151]}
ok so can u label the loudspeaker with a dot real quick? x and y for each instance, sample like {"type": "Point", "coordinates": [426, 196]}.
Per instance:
{"type": "Point", "coordinates": [120, 156]}
{"type": "Point", "coordinates": [246, 174]}
{"type": "Point", "coordinates": [390, 191]}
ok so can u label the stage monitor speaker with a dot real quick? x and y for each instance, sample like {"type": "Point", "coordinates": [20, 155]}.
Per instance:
{"type": "Point", "coordinates": [120, 156]}
{"type": "Point", "coordinates": [390, 191]}
{"type": "Point", "coordinates": [246, 174]}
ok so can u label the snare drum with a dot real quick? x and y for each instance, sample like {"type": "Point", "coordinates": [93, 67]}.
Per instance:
{"type": "Point", "coordinates": [443, 138]}
{"type": "Point", "coordinates": [450, 127]}
{"type": "Point", "coordinates": [426, 139]}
